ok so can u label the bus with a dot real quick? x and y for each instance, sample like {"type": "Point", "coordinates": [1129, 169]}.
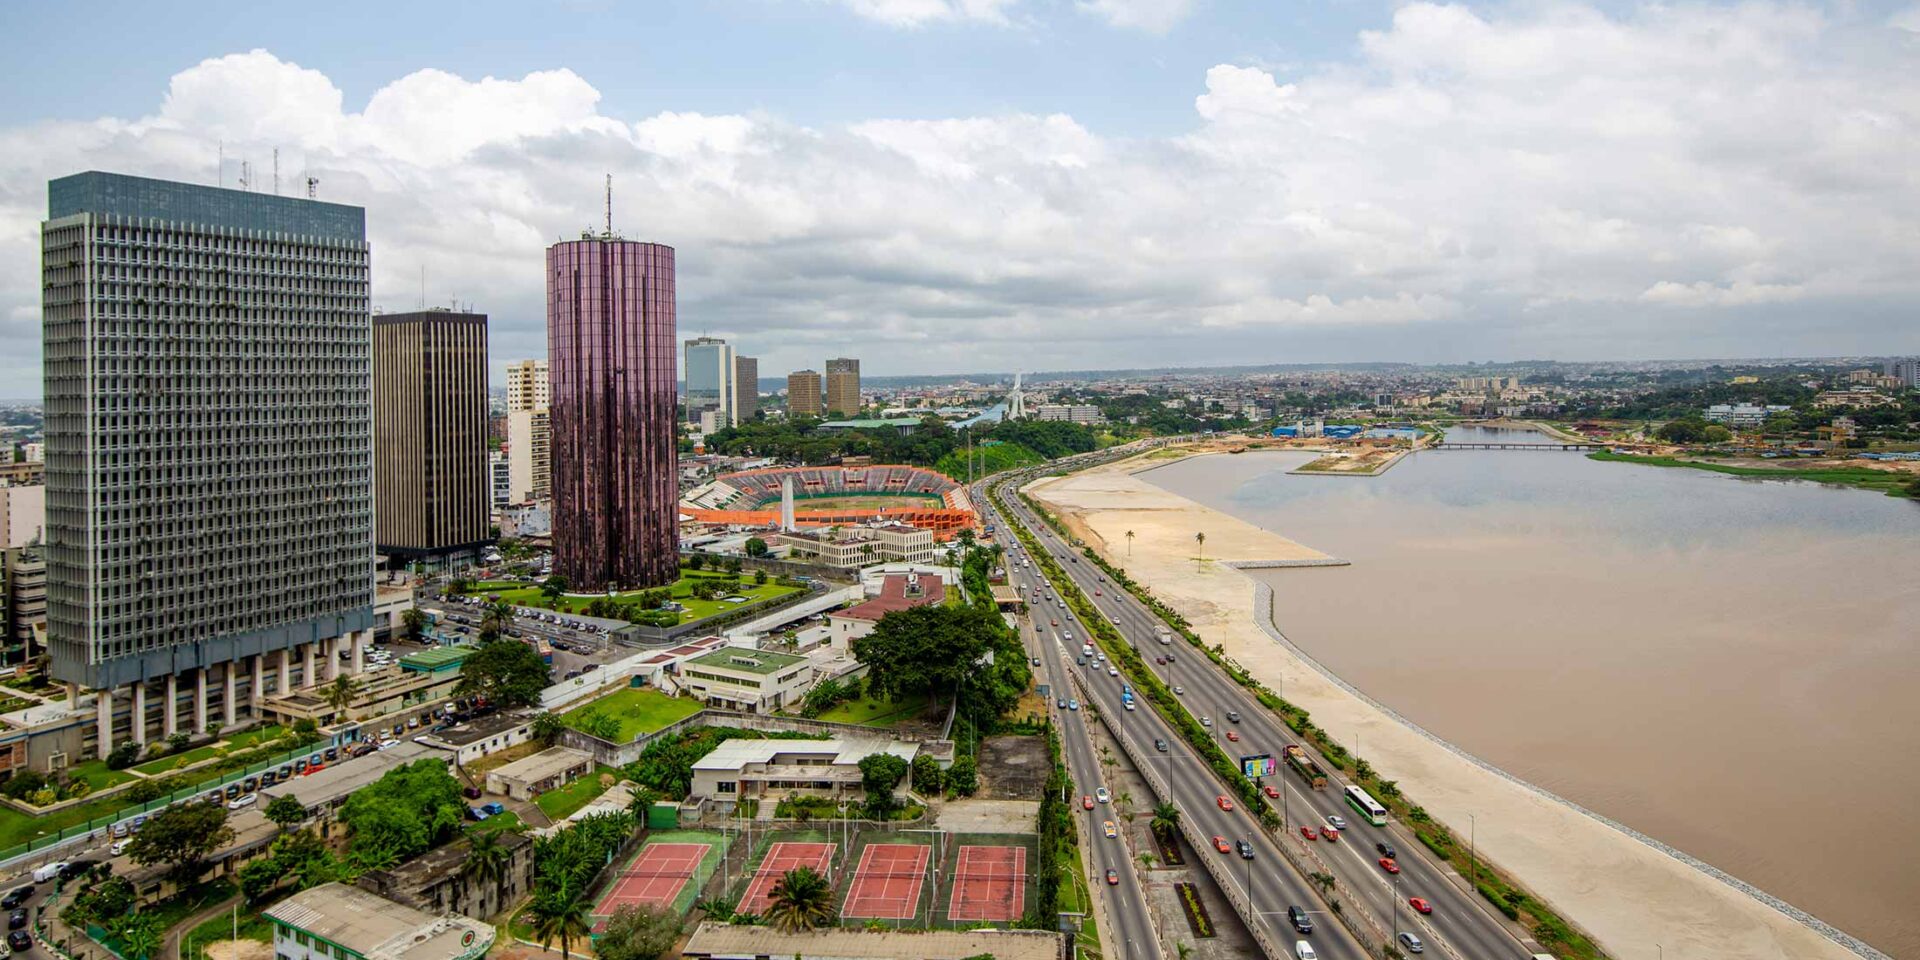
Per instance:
{"type": "Point", "coordinates": [1367, 807]}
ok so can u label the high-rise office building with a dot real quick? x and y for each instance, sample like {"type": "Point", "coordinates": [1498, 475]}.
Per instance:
{"type": "Point", "coordinates": [1906, 370]}
{"type": "Point", "coordinates": [431, 483]}
{"type": "Point", "coordinates": [529, 439]}
{"type": "Point", "coordinates": [804, 394]}
{"type": "Point", "coordinates": [526, 384]}
{"type": "Point", "coordinates": [209, 446]}
{"type": "Point", "coordinates": [843, 387]}
{"type": "Point", "coordinates": [610, 340]}
{"type": "Point", "coordinates": [746, 389]}
{"type": "Point", "coordinates": [710, 384]}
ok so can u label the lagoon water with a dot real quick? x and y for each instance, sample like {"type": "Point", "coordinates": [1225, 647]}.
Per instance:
{"type": "Point", "coordinates": [1729, 665]}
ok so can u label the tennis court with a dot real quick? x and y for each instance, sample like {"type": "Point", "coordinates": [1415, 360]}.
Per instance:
{"type": "Point", "coordinates": [782, 857]}
{"type": "Point", "coordinates": [989, 883]}
{"type": "Point", "coordinates": [655, 877]}
{"type": "Point", "coordinates": [887, 883]}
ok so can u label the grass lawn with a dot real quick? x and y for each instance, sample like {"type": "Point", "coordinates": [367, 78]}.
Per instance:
{"type": "Point", "coordinates": [241, 741]}
{"type": "Point", "coordinates": [639, 710]}
{"type": "Point", "coordinates": [876, 713]}
{"type": "Point", "coordinates": [1886, 481]}
{"type": "Point", "coordinates": [557, 804]}
{"type": "Point", "coordinates": [253, 926]}
{"type": "Point", "coordinates": [499, 823]}
{"type": "Point", "coordinates": [96, 775]}
{"type": "Point", "coordinates": [529, 595]}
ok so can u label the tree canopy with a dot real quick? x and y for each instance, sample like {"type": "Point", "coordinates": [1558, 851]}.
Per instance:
{"type": "Point", "coordinates": [181, 836]}
{"type": "Point", "coordinates": [402, 814]}
{"type": "Point", "coordinates": [507, 672]}
{"type": "Point", "coordinates": [927, 649]}
{"type": "Point", "coordinates": [637, 933]}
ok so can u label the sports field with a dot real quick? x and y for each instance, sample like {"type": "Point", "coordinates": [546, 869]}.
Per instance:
{"type": "Point", "coordinates": [668, 872]}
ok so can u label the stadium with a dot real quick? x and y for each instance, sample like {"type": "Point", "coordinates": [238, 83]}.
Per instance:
{"type": "Point", "coordinates": [834, 496]}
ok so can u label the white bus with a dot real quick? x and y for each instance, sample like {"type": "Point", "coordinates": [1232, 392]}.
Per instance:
{"type": "Point", "coordinates": [1367, 807]}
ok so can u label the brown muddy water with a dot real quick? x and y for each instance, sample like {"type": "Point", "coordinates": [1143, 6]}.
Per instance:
{"type": "Point", "coordinates": [1730, 666]}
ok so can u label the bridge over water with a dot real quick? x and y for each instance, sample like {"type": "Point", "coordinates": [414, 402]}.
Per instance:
{"type": "Point", "coordinates": [1447, 445]}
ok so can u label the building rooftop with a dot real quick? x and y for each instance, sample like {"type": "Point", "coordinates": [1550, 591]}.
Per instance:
{"type": "Point", "coordinates": [474, 731]}
{"type": "Point", "coordinates": [734, 754]}
{"type": "Point", "coordinates": [547, 763]}
{"type": "Point", "coordinates": [898, 592]}
{"type": "Point", "coordinates": [443, 862]}
{"type": "Point", "coordinates": [345, 777]}
{"type": "Point", "coordinates": [141, 197]}
{"type": "Point", "coordinates": [747, 659]}
{"type": "Point", "coordinates": [719, 941]}
{"type": "Point", "coordinates": [436, 658]}
{"type": "Point", "coordinates": [379, 929]}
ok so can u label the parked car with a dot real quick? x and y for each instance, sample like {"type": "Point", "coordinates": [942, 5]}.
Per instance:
{"type": "Point", "coordinates": [16, 897]}
{"type": "Point", "coordinates": [473, 793]}
{"type": "Point", "coordinates": [493, 809]}
{"type": "Point", "coordinates": [244, 802]}
{"type": "Point", "coordinates": [17, 919]}
{"type": "Point", "coordinates": [20, 940]}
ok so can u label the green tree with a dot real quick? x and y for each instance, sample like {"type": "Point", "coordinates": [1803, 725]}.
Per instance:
{"type": "Point", "coordinates": [637, 933]}
{"type": "Point", "coordinates": [801, 900]}
{"type": "Point", "coordinates": [696, 561]}
{"type": "Point", "coordinates": [928, 779]}
{"type": "Point", "coordinates": [547, 728]}
{"type": "Point", "coordinates": [139, 935]}
{"type": "Point", "coordinates": [340, 695]}
{"type": "Point", "coordinates": [963, 777]}
{"type": "Point", "coordinates": [1683, 430]}
{"type": "Point", "coordinates": [553, 587]}
{"type": "Point", "coordinates": [413, 621]}
{"type": "Point", "coordinates": [928, 649]}
{"type": "Point", "coordinates": [496, 619]}
{"type": "Point", "coordinates": [182, 837]}
{"type": "Point", "coordinates": [756, 547]}
{"type": "Point", "coordinates": [759, 578]}
{"type": "Point", "coordinates": [1200, 547]}
{"type": "Point", "coordinates": [1166, 817]}
{"type": "Point", "coordinates": [405, 812]}
{"type": "Point", "coordinates": [123, 756]}
{"type": "Point", "coordinates": [487, 858]}
{"type": "Point", "coordinates": [507, 672]}
{"type": "Point", "coordinates": [561, 914]}
{"type": "Point", "coordinates": [285, 811]}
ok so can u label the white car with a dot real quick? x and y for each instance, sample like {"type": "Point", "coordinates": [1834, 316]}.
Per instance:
{"type": "Point", "coordinates": [1113, 671]}
{"type": "Point", "coordinates": [1102, 795]}
{"type": "Point", "coordinates": [120, 846]}
{"type": "Point", "coordinates": [243, 801]}
{"type": "Point", "coordinates": [1304, 950]}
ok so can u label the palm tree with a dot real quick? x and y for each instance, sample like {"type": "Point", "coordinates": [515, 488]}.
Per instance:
{"type": "Point", "coordinates": [340, 694]}
{"type": "Point", "coordinates": [1129, 544]}
{"type": "Point", "coordinates": [139, 936]}
{"type": "Point", "coordinates": [1200, 544]}
{"type": "Point", "coordinates": [641, 803]}
{"type": "Point", "coordinates": [487, 858]}
{"type": "Point", "coordinates": [561, 915]}
{"type": "Point", "coordinates": [497, 618]}
{"type": "Point", "coordinates": [414, 621]}
{"type": "Point", "coordinates": [1166, 817]}
{"type": "Point", "coordinates": [802, 900]}
{"type": "Point", "coordinates": [547, 728]}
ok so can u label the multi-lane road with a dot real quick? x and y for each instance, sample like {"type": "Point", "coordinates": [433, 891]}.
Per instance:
{"type": "Point", "coordinates": [1459, 925]}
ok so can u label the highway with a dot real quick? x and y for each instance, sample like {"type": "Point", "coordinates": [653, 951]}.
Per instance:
{"type": "Point", "coordinates": [1460, 926]}
{"type": "Point", "coordinates": [1274, 884]}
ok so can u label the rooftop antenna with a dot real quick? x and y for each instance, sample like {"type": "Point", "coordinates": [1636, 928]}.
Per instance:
{"type": "Point", "coordinates": [276, 171]}
{"type": "Point", "coordinates": [246, 174]}
{"type": "Point", "coordinates": [423, 286]}
{"type": "Point", "coordinates": [609, 204]}
{"type": "Point", "coordinates": [313, 187]}
{"type": "Point", "coordinates": [220, 170]}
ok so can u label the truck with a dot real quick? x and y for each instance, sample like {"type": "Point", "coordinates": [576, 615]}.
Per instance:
{"type": "Point", "coordinates": [1165, 634]}
{"type": "Point", "coordinates": [1304, 766]}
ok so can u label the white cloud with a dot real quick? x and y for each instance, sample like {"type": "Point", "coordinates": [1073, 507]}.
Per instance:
{"type": "Point", "coordinates": [1553, 181]}
{"type": "Point", "coordinates": [1908, 19]}
{"type": "Point", "coordinates": [1152, 16]}
{"type": "Point", "coordinates": [915, 13]}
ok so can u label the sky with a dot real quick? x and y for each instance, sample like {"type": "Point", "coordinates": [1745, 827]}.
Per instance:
{"type": "Point", "coordinates": [961, 185]}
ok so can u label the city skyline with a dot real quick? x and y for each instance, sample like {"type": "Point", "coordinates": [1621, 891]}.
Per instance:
{"type": "Point", "coordinates": [1427, 183]}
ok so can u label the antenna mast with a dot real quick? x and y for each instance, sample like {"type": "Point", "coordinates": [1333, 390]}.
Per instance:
{"type": "Point", "coordinates": [313, 187]}
{"type": "Point", "coordinates": [609, 204]}
{"type": "Point", "coordinates": [276, 171]}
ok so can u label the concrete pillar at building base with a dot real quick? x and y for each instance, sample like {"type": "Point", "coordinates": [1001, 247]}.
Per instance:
{"type": "Point", "coordinates": [307, 677]}
{"type": "Point", "coordinates": [170, 710]}
{"type": "Point", "coordinates": [228, 708]}
{"type": "Point", "coordinates": [359, 639]}
{"type": "Point", "coordinates": [139, 718]}
{"type": "Point", "coordinates": [200, 700]}
{"type": "Point", "coordinates": [286, 673]}
{"type": "Point", "coordinates": [104, 700]}
{"type": "Point", "coordinates": [258, 691]}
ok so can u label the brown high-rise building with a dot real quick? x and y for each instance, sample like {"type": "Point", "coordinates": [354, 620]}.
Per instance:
{"type": "Point", "coordinates": [803, 394]}
{"type": "Point", "coordinates": [614, 396]}
{"type": "Point", "coordinates": [431, 485]}
{"type": "Point", "coordinates": [746, 388]}
{"type": "Point", "coordinates": [843, 387]}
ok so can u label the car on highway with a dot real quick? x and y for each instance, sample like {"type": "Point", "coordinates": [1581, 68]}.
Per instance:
{"type": "Point", "coordinates": [1053, 621]}
{"type": "Point", "coordinates": [1160, 660]}
{"type": "Point", "coordinates": [1225, 803]}
{"type": "Point", "coordinates": [1389, 865]}
{"type": "Point", "coordinates": [1303, 950]}
{"type": "Point", "coordinates": [1206, 721]}
{"type": "Point", "coordinates": [1245, 849]}
{"type": "Point", "coordinates": [1336, 821]}
{"type": "Point", "coordinates": [1178, 689]}
{"type": "Point", "coordinates": [1299, 919]}
{"type": "Point", "coordinates": [1220, 843]}
{"type": "Point", "coordinates": [1073, 704]}
{"type": "Point", "coordinates": [1412, 942]}
{"type": "Point", "coordinates": [1233, 735]}
{"type": "Point", "coordinates": [1330, 833]}
{"type": "Point", "coordinates": [1272, 792]}
{"type": "Point", "coordinates": [1086, 802]}
{"type": "Point", "coordinates": [1308, 833]}
{"type": "Point", "coordinates": [1063, 703]}
{"type": "Point", "coordinates": [1113, 671]}
{"type": "Point", "coordinates": [1419, 904]}
{"type": "Point", "coordinates": [1169, 657]}
{"type": "Point", "coordinates": [1386, 850]}
{"type": "Point", "coordinates": [1036, 661]}
{"type": "Point", "coordinates": [1113, 878]}
{"type": "Point", "coordinates": [1160, 744]}
{"type": "Point", "coordinates": [1102, 795]}
{"type": "Point", "coordinates": [1111, 831]}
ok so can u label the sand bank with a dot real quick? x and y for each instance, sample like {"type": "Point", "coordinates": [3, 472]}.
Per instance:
{"type": "Point", "coordinates": [1624, 892]}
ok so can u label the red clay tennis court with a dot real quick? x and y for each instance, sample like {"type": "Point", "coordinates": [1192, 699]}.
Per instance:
{"type": "Point", "coordinates": [655, 877]}
{"type": "Point", "coordinates": [886, 886]}
{"type": "Point", "coordinates": [782, 857]}
{"type": "Point", "coordinates": [989, 883]}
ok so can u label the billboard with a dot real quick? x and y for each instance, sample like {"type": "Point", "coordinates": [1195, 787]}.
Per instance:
{"type": "Point", "coordinates": [1260, 766]}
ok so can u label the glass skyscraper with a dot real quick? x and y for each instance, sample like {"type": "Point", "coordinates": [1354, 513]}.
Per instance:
{"type": "Point", "coordinates": [610, 355]}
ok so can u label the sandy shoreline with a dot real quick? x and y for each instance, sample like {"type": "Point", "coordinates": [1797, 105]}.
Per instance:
{"type": "Point", "coordinates": [1627, 894]}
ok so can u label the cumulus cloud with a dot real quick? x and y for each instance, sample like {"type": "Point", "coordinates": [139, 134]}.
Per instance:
{"type": "Point", "coordinates": [916, 13]}
{"type": "Point", "coordinates": [1551, 181]}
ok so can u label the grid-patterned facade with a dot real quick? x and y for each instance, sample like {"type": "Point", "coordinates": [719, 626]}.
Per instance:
{"type": "Point", "coordinates": [843, 386]}
{"type": "Point", "coordinates": [527, 385]}
{"type": "Point", "coordinates": [208, 425]}
{"type": "Point", "coordinates": [746, 389]}
{"type": "Point", "coordinates": [803, 394]}
{"type": "Point", "coordinates": [431, 481]}
{"type": "Point", "coordinates": [610, 350]}
{"type": "Point", "coordinates": [710, 385]}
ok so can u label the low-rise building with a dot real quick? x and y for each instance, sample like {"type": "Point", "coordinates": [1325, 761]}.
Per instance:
{"type": "Point", "coordinates": [1861, 398]}
{"type": "Point", "coordinates": [435, 881]}
{"type": "Point", "coordinates": [335, 921]}
{"type": "Point", "coordinates": [323, 793]}
{"type": "Point", "coordinates": [550, 769]}
{"type": "Point", "coordinates": [849, 548]}
{"type": "Point", "coordinates": [900, 591]}
{"type": "Point", "coordinates": [772, 769]}
{"type": "Point", "coordinates": [1069, 412]}
{"type": "Point", "coordinates": [1742, 414]}
{"type": "Point", "coordinates": [469, 740]}
{"type": "Point", "coordinates": [742, 678]}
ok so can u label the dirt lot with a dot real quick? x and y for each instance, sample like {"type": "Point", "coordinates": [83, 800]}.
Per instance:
{"type": "Point", "coordinates": [1012, 768]}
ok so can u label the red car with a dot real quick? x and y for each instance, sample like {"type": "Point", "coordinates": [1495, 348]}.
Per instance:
{"type": "Point", "coordinates": [1086, 803]}
{"type": "Point", "coordinates": [1220, 843]}
{"type": "Point", "coordinates": [1330, 833]}
{"type": "Point", "coordinates": [1387, 864]}
{"type": "Point", "coordinates": [1419, 904]}
{"type": "Point", "coordinates": [1113, 878]}
{"type": "Point", "coordinates": [1308, 833]}
{"type": "Point", "coordinates": [1273, 793]}
{"type": "Point", "coordinates": [1054, 622]}
{"type": "Point", "coordinates": [1224, 803]}
{"type": "Point", "coordinates": [1233, 735]}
